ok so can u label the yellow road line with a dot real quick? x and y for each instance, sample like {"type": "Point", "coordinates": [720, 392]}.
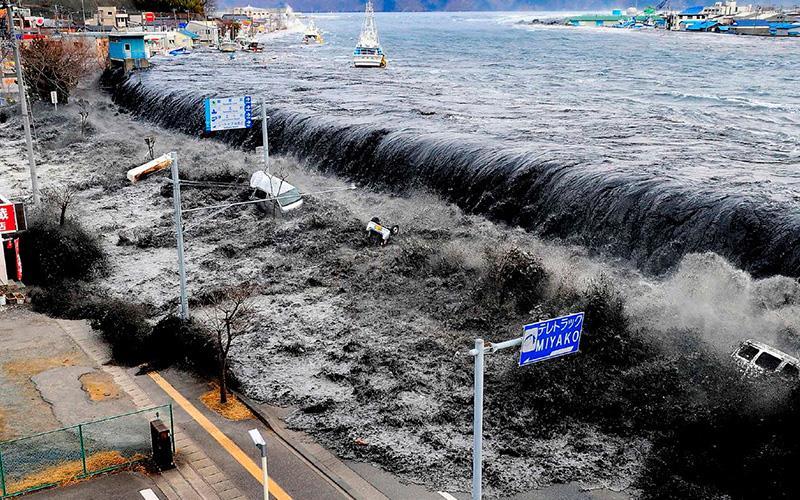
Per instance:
{"type": "Point", "coordinates": [231, 447]}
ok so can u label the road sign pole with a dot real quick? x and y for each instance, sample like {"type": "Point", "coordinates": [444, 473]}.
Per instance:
{"type": "Point", "coordinates": [477, 423]}
{"type": "Point", "coordinates": [176, 202]}
{"type": "Point", "coordinates": [265, 133]}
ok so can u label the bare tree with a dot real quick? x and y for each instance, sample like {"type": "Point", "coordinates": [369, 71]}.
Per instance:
{"type": "Point", "coordinates": [55, 65]}
{"type": "Point", "coordinates": [84, 105]}
{"type": "Point", "coordinates": [150, 140]}
{"type": "Point", "coordinates": [60, 197]}
{"type": "Point", "coordinates": [227, 321]}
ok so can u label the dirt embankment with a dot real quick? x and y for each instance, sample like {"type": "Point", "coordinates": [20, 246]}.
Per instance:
{"type": "Point", "coordinates": [370, 342]}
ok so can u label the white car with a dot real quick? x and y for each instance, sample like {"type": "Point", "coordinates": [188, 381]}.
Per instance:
{"type": "Point", "coordinates": [380, 234]}
{"type": "Point", "coordinates": [273, 189]}
{"type": "Point", "coordinates": [756, 358]}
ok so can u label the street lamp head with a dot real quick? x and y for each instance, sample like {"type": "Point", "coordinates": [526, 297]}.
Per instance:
{"type": "Point", "coordinates": [258, 440]}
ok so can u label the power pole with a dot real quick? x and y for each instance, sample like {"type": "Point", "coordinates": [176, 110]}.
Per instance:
{"type": "Point", "coordinates": [23, 103]}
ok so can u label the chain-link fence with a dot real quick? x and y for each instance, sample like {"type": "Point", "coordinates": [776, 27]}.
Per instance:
{"type": "Point", "coordinates": [63, 455]}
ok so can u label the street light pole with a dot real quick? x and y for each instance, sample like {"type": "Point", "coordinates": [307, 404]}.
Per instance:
{"type": "Point", "coordinates": [23, 104]}
{"type": "Point", "coordinates": [258, 440]}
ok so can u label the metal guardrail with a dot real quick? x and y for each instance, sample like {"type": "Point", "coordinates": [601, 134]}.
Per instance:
{"type": "Point", "coordinates": [63, 455]}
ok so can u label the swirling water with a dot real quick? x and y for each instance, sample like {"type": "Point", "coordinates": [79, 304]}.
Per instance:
{"type": "Point", "coordinates": [645, 144]}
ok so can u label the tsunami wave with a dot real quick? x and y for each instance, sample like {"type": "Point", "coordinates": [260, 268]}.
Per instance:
{"type": "Point", "coordinates": [652, 221]}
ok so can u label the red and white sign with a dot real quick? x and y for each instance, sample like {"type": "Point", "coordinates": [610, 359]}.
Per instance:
{"type": "Point", "coordinates": [148, 17]}
{"type": "Point", "coordinates": [8, 218]}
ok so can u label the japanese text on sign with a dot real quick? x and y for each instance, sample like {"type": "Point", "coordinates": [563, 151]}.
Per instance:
{"type": "Point", "coordinates": [8, 219]}
{"type": "Point", "coordinates": [551, 338]}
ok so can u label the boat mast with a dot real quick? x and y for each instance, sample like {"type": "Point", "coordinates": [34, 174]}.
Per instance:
{"type": "Point", "coordinates": [369, 33]}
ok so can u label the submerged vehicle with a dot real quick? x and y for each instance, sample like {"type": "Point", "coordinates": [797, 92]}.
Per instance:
{"type": "Point", "coordinates": [379, 234]}
{"type": "Point", "coordinates": [757, 358]}
{"type": "Point", "coordinates": [312, 34]}
{"type": "Point", "coordinates": [368, 52]}
{"type": "Point", "coordinates": [275, 192]}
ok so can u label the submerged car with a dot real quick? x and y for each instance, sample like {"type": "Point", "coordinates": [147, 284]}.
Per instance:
{"type": "Point", "coordinates": [380, 234]}
{"type": "Point", "coordinates": [757, 358]}
{"type": "Point", "coordinates": [275, 192]}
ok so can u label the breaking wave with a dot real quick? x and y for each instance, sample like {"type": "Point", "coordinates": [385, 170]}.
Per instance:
{"type": "Point", "coordinates": [652, 221]}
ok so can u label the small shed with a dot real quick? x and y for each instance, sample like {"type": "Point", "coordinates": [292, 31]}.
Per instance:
{"type": "Point", "coordinates": [125, 46]}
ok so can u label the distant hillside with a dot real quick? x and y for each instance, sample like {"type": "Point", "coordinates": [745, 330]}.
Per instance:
{"type": "Point", "coordinates": [74, 6]}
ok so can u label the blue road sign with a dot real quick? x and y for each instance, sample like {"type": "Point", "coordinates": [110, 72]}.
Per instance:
{"type": "Point", "coordinates": [551, 338]}
{"type": "Point", "coordinates": [225, 113]}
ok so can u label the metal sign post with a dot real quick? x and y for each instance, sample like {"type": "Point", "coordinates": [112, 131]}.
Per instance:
{"type": "Point", "coordinates": [544, 340]}
{"type": "Point", "coordinates": [176, 203]}
{"type": "Point", "coordinates": [265, 134]}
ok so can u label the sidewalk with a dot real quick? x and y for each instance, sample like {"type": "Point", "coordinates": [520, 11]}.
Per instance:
{"type": "Point", "coordinates": [195, 475]}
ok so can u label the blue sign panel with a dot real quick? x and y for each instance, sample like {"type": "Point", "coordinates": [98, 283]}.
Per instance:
{"type": "Point", "coordinates": [224, 113]}
{"type": "Point", "coordinates": [551, 338]}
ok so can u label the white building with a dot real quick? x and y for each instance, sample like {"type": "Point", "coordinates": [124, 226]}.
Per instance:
{"type": "Point", "coordinates": [207, 31]}
{"type": "Point", "coordinates": [253, 12]}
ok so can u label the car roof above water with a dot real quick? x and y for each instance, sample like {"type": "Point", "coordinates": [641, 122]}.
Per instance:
{"type": "Point", "coordinates": [771, 350]}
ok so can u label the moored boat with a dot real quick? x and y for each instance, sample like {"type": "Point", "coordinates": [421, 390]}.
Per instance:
{"type": "Point", "coordinates": [368, 52]}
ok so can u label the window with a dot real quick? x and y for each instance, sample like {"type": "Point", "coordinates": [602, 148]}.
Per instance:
{"type": "Point", "coordinates": [127, 46]}
{"type": "Point", "coordinates": [747, 352]}
{"type": "Point", "coordinates": [768, 362]}
{"type": "Point", "coordinates": [791, 371]}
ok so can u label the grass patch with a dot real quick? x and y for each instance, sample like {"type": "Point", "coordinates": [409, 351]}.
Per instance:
{"type": "Point", "coordinates": [232, 410]}
{"type": "Point", "coordinates": [71, 472]}
{"type": "Point", "coordinates": [99, 386]}
{"type": "Point", "coordinates": [28, 367]}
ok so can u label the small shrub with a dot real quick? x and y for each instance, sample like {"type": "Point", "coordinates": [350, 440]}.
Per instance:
{"type": "Point", "coordinates": [146, 238]}
{"type": "Point", "coordinates": [514, 277]}
{"type": "Point", "coordinates": [124, 326]}
{"type": "Point", "coordinates": [53, 253]}
{"type": "Point", "coordinates": [413, 257]}
{"type": "Point", "coordinates": [607, 331]}
{"type": "Point", "coordinates": [176, 341]}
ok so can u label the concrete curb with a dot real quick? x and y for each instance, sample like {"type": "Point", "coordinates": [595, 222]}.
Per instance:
{"type": "Point", "coordinates": [277, 426]}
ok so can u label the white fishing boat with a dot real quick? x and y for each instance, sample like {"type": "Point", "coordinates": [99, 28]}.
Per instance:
{"type": "Point", "coordinates": [312, 34]}
{"type": "Point", "coordinates": [228, 45]}
{"type": "Point", "coordinates": [368, 52]}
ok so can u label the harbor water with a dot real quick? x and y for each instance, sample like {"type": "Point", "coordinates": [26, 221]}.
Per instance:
{"type": "Point", "coordinates": [645, 145]}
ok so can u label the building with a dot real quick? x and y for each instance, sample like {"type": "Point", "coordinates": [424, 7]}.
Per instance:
{"type": "Point", "coordinates": [595, 20]}
{"type": "Point", "coordinates": [128, 50]}
{"type": "Point", "coordinates": [207, 31]}
{"type": "Point", "coordinates": [109, 19]}
{"type": "Point", "coordinates": [253, 12]}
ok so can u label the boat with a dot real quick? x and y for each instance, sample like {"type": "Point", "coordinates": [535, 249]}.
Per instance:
{"type": "Point", "coordinates": [368, 52]}
{"type": "Point", "coordinates": [228, 45]}
{"type": "Point", "coordinates": [255, 46]}
{"type": "Point", "coordinates": [312, 34]}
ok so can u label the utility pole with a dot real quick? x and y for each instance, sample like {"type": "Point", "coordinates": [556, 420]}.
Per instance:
{"type": "Point", "coordinates": [83, 11]}
{"type": "Point", "coordinates": [23, 103]}
{"type": "Point", "coordinates": [176, 202]}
